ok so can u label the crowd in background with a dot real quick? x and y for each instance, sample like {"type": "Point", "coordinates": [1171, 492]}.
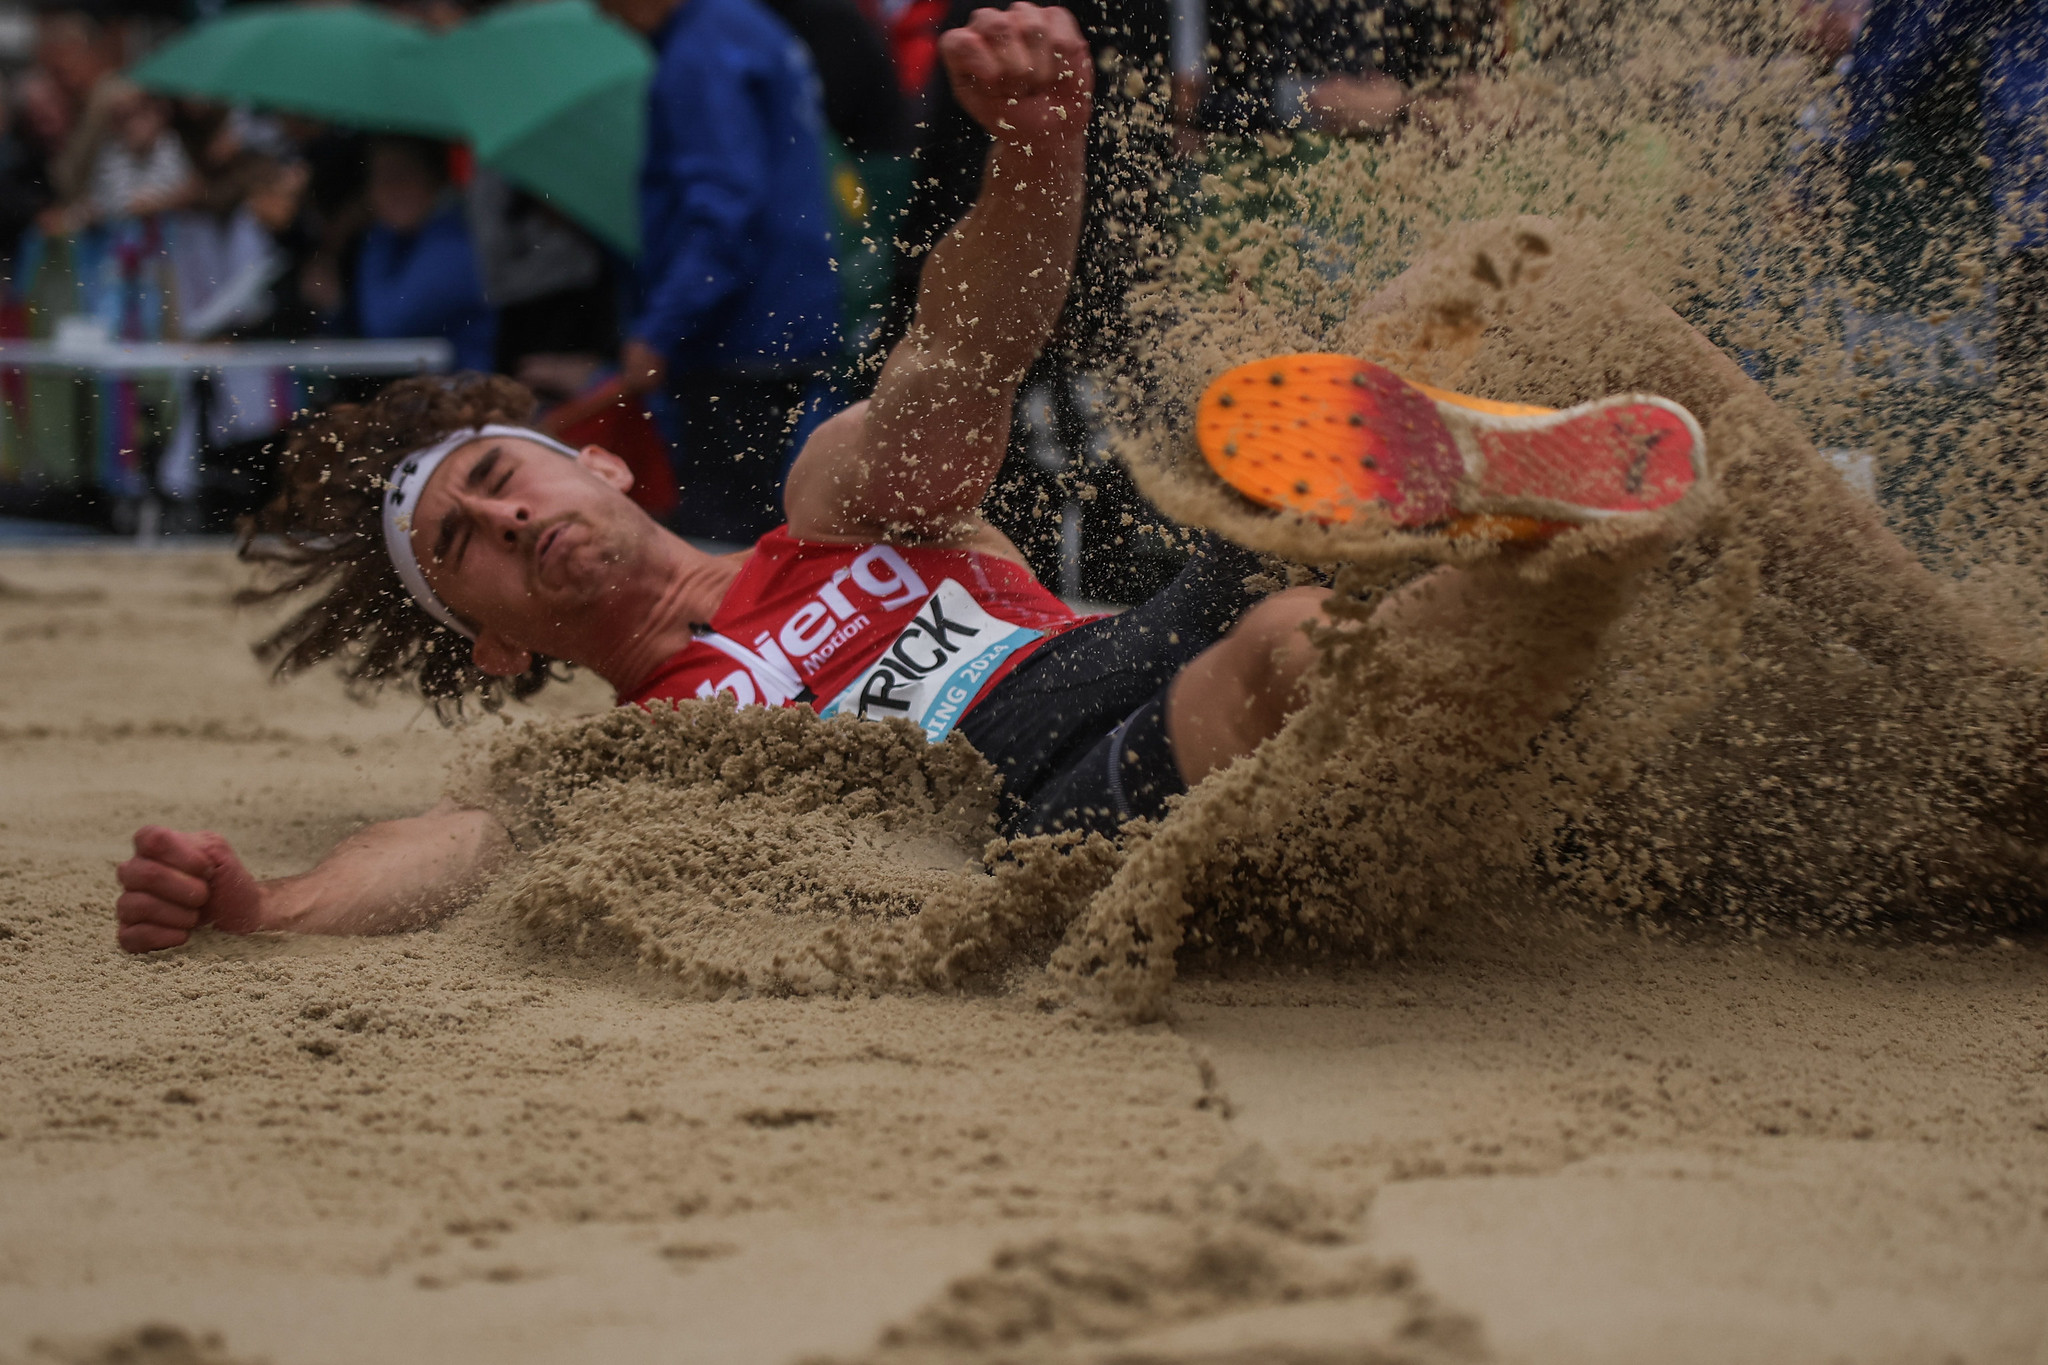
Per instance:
{"type": "Point", "coordinates": [801, 155]}
{"type": "Point", "coordinates": [181, 219]}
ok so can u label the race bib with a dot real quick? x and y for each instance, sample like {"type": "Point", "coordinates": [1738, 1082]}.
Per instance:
{"type": "Point", "coordinates": [936, 666]}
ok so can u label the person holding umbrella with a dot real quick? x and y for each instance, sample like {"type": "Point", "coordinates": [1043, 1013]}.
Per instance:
{"type": "Point", "coordinates": [739, 299]}
{"type": "Point", "coordinates": [416, 270]}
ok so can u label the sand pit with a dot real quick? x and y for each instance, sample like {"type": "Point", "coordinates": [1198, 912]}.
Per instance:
{"type": "Point", "coordinates": [467, 1145]}
{"type": "Point", "coordinates": [1702, 1018]}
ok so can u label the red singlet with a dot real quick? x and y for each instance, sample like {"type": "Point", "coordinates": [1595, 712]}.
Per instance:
{"type": "Point", "coordinates": [872, 630]}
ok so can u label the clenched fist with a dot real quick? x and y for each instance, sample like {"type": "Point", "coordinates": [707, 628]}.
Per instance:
{"type": "Point", "coordinates": [177, 882]}
{"type": "Point", "coordinates": [1022, 73]}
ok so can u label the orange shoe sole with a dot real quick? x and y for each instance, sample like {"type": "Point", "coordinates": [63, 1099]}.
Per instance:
{"type": "Point", "coordinates": [1336, 438]}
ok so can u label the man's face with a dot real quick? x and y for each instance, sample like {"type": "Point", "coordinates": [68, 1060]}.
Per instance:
{"type": "Point", "coordinates": [43, 109]}
{"type": "Point", "coordinates": [142, 121]}
{"type": "Point", "coordinates": [72, 52]}
{"type": "Point", "coordinates": [402, 193]}
{"type": "Point", "coordinates": [525, 544]}
{"type": "Point", "coordinates": [643, 16]}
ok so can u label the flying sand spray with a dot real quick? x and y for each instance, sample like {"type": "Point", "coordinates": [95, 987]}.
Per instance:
{"type": "Point", "coordinates": [1785, 721]}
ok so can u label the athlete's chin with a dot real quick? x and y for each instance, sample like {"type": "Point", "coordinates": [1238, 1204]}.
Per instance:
{"type": "Point", "coordinates": [575, 566]}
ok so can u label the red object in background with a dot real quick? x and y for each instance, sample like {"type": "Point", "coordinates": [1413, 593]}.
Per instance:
{"type": "Point", "coordinates": [461, 164]}
{"type": "Point", "coordinates": [912, 30]}
{"type": "Point", "coordinates": [610, 417]}
{"type": "Point", "coordinates": [14, 383]}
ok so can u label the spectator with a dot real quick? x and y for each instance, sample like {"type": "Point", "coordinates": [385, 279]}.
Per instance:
{"type": "Point", "coordinates": [45, 114]}
{"type": "Point", "coordinates": [1350, 68]}
{"type": "Point", "coordinates": [333, 215]}
{"type": "Point", "coordinates": [869, 171]}
{"type": "Point", "coordinates": [225, 255]}
{"type": "Point", "coordinates": [416, 273]}
{"type": "Point", "coordinates": [142, 168]}
{"type": "Point", "coordinates": [228, 272]}
{"type": "Point", "coordinates": [24, 178]}
{"type": "Point", "coordinates": [911, 29]}
{"type": "Point", "coordinates": [232, 152]}
{"type": "Point", "coordinates": [552, 284]}
{"type": "Point", "coordinates": [81, 58]}
{"type": "Point", "coordinates": [740, 302]}
{"type": "Point", "coordinates": [863, 106]}
{"type": "Point", "coordinates": [1910, 47]}
{"type": "Point", "coordinates": [276, 200]}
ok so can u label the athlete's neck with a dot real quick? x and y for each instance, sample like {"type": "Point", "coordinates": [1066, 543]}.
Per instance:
{"type": "Point", "coordinates": [669, 604]}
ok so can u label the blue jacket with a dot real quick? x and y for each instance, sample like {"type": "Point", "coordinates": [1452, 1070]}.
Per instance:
{"type": "Point", "coordinates": [736, 231]}
{"type": "Point", "coordinates": [1907, 43]}
{"type": "Point", "coordinates": [426, 285]}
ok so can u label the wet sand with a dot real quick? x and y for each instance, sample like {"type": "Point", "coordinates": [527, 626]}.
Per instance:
{"type": "Point", "coordinates": [465, 1145]}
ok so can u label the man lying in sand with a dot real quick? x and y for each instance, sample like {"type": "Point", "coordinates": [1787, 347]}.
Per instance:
{"type": "Point", "coordinates": [465, 552]}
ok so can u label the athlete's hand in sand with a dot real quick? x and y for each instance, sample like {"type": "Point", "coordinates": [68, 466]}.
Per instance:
{"type": "Point", "coordinates": [177, 882]}
{"type": "Point", "coordinates": [1022, 73]}
{"type": "Point", "coordinates": [386, 878]}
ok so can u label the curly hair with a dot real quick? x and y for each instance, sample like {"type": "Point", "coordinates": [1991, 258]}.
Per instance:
{"type": "Point", "coordinates": [324, 529]}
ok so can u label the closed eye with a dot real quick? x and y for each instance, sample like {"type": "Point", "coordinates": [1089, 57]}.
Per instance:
{"type": "Point", "coordinates": [480, 472]}
{"type": "Point", "coordinates": [453, 538]}
{"type": "Point", "coordinates": [457, 529]}
{"type": "Point", "coordinates": [444, 539]}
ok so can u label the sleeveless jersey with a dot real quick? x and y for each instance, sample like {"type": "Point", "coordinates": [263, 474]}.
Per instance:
{"type": "Point", "coordinates": [870, 630]}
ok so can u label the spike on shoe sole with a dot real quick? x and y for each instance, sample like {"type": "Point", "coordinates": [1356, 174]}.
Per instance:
{"type": "Point", "coordinates": [1331, 436]}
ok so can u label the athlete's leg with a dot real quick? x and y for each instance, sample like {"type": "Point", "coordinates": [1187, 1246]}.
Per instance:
{"type": "Point", "coordinates": [1494, 654]}
{"type": "Point", "coordinates": [1498, 652]}
{"type": "Point", "coordinates": [1238, 692]}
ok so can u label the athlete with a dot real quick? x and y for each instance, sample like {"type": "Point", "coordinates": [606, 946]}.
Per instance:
{"type": "Point", "coordinates": [462, 552]}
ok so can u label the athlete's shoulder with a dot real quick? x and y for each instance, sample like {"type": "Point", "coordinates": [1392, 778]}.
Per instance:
{"type": "Point", "coordinates": [776, 557]}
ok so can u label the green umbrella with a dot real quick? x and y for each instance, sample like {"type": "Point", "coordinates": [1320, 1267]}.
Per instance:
{"type": "Point", "coordinates": [553, 96]}
{"type": "Point", "coordinates": [343, 63]}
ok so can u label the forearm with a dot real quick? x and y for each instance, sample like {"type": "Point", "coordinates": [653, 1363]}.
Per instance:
{"type": "Point", "coordinates": [919, 457]}
{"type": "Point", "coordinates": [391, 877]}
{"type": "Point", "coordinates": [988, 300]}
{"type": "Point", "coordinates": [994, 286]}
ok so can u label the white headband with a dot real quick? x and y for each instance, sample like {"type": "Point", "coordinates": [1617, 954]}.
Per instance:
{"type": "Point", "coordinates": [403, 487]}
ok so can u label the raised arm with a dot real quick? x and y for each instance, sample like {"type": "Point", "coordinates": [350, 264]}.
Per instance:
{"type": "Point", "coordinates": [920, 455]}
{"type": "Point", "coordinates": [382, 879]}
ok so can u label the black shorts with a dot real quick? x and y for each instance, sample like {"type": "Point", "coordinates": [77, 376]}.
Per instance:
{"type": "Point", "coordinates": [1052, 717]}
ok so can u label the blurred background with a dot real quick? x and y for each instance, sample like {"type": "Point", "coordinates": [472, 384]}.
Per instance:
{"type": "Point", "coordinates": [693, 227]}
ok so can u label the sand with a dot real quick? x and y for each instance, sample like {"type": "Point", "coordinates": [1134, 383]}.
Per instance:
{"type": "Point", "coordinates": [1691, 1005]}
{"type": "Point", "coordinates": [465, 1144]}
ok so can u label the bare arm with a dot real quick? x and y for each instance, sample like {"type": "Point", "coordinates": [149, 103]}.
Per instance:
{"type": "Point", "coordinates": [920, 455]}
{"type": "Point", "coordinates": [384, 878]}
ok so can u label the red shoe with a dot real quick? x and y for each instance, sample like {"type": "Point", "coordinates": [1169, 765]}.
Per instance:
{"type": "Point", "coordinates": [1334, 437]}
